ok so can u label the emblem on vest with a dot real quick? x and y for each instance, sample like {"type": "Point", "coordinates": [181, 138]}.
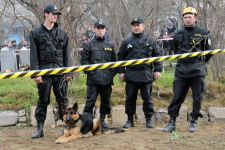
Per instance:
{"type": "Point", "coordinates": [129, 46]}
{"type": "Point", "coordinates": [108, 49]}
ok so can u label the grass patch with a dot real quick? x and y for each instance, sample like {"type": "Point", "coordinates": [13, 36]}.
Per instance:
{"type": "Point", "coordinates": [175, 135]}
{"type": "Point", "coordinates": [166, 79]}
{"type": "Point", "coordinates": [22, 93]}
{"type": "Point", "coordinates": [17, 93]}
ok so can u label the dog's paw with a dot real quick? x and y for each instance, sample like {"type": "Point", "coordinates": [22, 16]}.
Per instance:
{"type": "Point", "coordinates": [60, 141]}
{"type": "Point", "coordinates": [56, 142]}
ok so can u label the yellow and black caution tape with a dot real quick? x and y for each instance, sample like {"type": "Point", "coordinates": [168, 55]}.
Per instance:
{"type": "Point", "coordinates": [64, 70]}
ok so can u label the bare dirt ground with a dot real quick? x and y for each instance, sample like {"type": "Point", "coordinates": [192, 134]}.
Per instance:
{"type": "Point", "coordinates": [210, 136]}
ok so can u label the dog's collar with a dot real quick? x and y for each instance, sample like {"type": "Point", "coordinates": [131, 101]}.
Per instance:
{"type": "Point", "coordinates": [74, 124]}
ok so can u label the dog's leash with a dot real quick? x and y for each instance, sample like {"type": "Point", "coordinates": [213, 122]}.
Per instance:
{"type": "Point", "coordinates": [64, 91]}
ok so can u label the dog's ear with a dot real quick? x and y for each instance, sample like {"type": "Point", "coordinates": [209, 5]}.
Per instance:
{"type": "Point", "coordinates": [75, 107]}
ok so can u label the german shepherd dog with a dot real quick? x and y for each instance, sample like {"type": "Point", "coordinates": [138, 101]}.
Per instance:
{"type": "Point", "coordinates": [81, 125]}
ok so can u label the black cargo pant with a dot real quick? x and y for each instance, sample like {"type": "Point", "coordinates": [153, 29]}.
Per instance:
{"type": "Point", "coordinates": [180, 89]}
{"type": "Point", "coordinates": [44, 90]}
{"type": "Point", "coordinates": [131, 97]}
{"type": "Point", "coordinates": [92, 94]}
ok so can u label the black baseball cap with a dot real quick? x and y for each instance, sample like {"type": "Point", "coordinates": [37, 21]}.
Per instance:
{"type": "Point", "coordinates": [50, 8]}
{"type": "Point", "coordinates": [99, 24]}
{"type": "Point", "coordinates": [138, 20]}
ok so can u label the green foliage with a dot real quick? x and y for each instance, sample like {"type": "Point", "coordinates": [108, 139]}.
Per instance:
{"type": "Point", "coordinates": [22, 93]}
{"type": "Point", "coordinates": [166, 79]}
{"type": "Point", "coordinates": [17, 93]}
{"type": "Point", "coordinates": [175, 135]}
{"type": "Point", "coordinates": [77, 89]}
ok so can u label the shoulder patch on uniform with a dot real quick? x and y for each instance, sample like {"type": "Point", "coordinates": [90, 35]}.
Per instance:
{"type": "Point", "coordinates": [197, 34]}
{"type": "Point", "coordinates": [108, 49]}
{"type": "Point", "coordinates": [209, 41]}
{"type": "Point", "coordinates": [129, 46]}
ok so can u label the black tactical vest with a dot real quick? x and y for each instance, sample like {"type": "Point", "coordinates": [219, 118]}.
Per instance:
{"type": "Point", "coordinates": [50, 45]}
{"type": "Point", "coordinates": [190, 40]}
{"type": "Point", "coordinates": [138, 48]}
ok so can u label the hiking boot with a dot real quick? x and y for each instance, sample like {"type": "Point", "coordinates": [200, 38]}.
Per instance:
{"type": "Point", "coordinates": [193, 125]}
{"type": "Point", "coordinates": [104, 125]}
{"type": "Point", "coordinates": [149, 123]}
{"type": "Point", "coordinates": [171, 126]}
{"type": "Point", "coordinates": [129, 124]}
{"type": "Point", "coordinates": [39, 131]}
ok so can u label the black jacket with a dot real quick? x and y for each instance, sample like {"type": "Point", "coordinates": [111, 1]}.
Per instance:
{"type": "Point", "coordinates": [49, 49]}
{"type": "Point", "coordinates": [137, 47]}
{"type": "Point", "coordinates": [99, 51]}
{"type": "Point", "coordinates": [191, 39]}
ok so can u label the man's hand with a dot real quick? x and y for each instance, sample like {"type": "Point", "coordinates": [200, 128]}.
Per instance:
{"type": "Point", "coordinates": [157, 75]}
{"type": "Point", "coordinates": [68, 78]}
{"type": "Point", "coordinates": [122, 76]}
{"type": "Point", "coordinates": [38, 80]}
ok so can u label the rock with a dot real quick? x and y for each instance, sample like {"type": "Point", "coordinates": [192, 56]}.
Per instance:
{"type": "Point", "coordinates": [183, 114]}
{"type": "Point", "coordinates": [23, 119]}
{"type": "Point", "coordinates": [162, 116]}
{"type": "Point", "coordinates": [204, 119]}
{"type": "Point", "coordinates": [140, 117]}
{"type": "Point", "coordinates": [216, 114]}
{"type": "Point", "coordinates": [118, 115]}
{"type": "Point", "coordinates": [22, 113]}
{"type": "Point", "coordinates": [8, 118]}
{"type": "Point", "coordinates": [50, 120]}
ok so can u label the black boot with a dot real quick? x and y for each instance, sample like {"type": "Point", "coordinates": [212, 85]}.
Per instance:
{"type": "Point", "coordinates": [193, 125]}
{"type": "Point", "coordinates": [39, 132]}
{"type": "Point", "coordinates": [130, 122]}
{"type": "Point", "coordinates": [102, 121]}
{"type": "Point", "coordinates": [149, 122]}
{"type": "Point", "coordinates": [171, 126]}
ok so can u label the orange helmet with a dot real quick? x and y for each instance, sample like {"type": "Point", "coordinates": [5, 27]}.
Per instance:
{"type": "Point", "coordinates": [189, 10]}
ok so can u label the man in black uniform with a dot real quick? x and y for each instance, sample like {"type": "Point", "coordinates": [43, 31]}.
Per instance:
{"type": "Point", "coordinates": [99, 50]}
{"type": "Point", "coordinates": [49, 49]}
{"type": "Point", "coordinates": [137, 46]}
{"type": "Point", "coordinates": [190, 72]}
